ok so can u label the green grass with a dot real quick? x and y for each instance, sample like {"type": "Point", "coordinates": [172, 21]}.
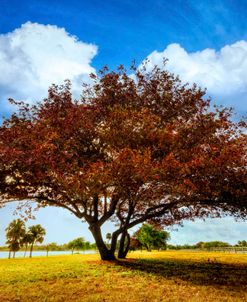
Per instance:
{"type": "Point", "coordinates": [157, 276]}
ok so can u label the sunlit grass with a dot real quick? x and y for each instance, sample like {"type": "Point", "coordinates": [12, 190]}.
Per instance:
{"type": "Point", "coordinates": [144, 276]}
{"type": "Point", "coordinates": [229, 258]}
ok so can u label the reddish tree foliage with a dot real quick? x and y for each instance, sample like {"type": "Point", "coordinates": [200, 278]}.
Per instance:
{"type": "Point", "coordinates": [132, 149]}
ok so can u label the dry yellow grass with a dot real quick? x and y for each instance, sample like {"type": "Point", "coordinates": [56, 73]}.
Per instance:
{"type": "Point", "coordinates": [157, 276]}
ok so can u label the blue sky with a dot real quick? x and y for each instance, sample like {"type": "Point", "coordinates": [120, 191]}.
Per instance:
{"type": "Point", "coordinates": [205, 42]}
{"type": "Point", "coordinates": [126, 30]}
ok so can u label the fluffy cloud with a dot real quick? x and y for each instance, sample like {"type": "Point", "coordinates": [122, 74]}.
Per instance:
{"type": "Point", "coordinates": [223, 72]}
{"type": "Point", "coordinates": [34, 56]}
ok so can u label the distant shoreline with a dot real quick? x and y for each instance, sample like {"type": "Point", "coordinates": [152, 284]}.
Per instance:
{"type": "Point", "coordinates": [20, 254]}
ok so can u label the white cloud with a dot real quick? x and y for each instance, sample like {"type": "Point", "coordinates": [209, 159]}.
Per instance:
{"type": "Point", "coordinates": [34, 56]}
{"type": "Point", "coordinates": [223, 72]}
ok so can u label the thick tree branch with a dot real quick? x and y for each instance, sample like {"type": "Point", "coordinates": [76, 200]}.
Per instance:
{"type": "Point", "coordinates": [95, 207]}
{"type": "Point", "coordinates": [111, 211]}
{"type": "Point", "coordinates": [51, 202]}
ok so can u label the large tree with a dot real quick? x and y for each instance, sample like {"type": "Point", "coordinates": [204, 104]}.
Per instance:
{"type": "Point", "coordinates": [134, 148]}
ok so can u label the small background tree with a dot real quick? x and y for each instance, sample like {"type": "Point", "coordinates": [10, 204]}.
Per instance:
{"type": "Point", "coordinates": [151, 237]}
{"type": "Point", "coordinates": [199, 245]}
{"type": "Point", "coordinates": [77, 244]}
{"type": "Point", "coordinates": [52, 246]}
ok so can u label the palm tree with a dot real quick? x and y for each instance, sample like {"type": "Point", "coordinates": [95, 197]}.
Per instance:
{"type": "Point", "coordinates": [14, 233]}
{"type": "Point", "coordinates": [26, 240]}
{"type": "Point", "coordinates": [37, 233]}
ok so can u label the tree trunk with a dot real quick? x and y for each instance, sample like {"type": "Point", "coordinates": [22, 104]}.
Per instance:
{"type": "Point", "coordinates": [9, 254]}
{"type": "Point", "coordinates": [31, 250]}
{"type": "Point", "coordinates": [124, 246]}
{"type": "Point", "coordinates": [14, 254]}
{"type": "Point", "coordinates": [105, 253]}
{"type": "Point", "coordinates": [25, 250]}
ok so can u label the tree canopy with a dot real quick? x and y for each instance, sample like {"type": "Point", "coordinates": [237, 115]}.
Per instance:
{"type": "Point", "coordinates": [134, 148]}
{"type": "Point", "coordinates": [77, 244]}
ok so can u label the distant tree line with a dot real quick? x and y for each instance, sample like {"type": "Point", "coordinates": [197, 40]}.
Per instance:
{"type": "Point", "coordinates": [148, 237]}
{"type": "Point", "coordinates": [152, 237]}
{"type": "Point", "coordinates": [75, 245]}
{"type": "Point", "coordinates": [20, 238]}
{"type": "Point", "coordinates": [207, 245]}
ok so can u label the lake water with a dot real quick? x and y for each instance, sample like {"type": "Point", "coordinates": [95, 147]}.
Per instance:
{"type": "Point", "coordinates": [43, 253]}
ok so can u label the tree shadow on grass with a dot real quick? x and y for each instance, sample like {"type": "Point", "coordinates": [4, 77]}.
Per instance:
{"type": "Point", "coordinates": [231, 276]}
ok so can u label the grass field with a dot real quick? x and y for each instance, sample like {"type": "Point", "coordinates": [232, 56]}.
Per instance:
{"type": "Point", "coordinates": [157, 276]}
